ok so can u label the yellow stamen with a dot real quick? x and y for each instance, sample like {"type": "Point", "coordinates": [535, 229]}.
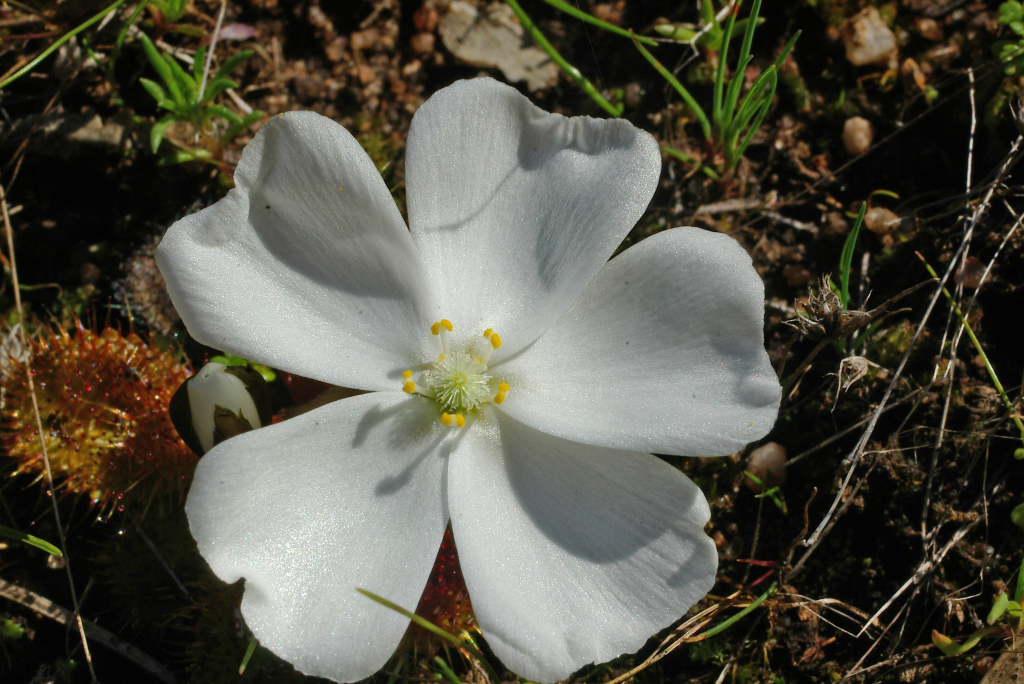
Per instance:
{"type": "Point", "coordinates": [495, 340]}
{"type": "Point", "coordinates": [499, 397]}
{"type": "Point", "coordinates": [407, 374]}
{"type": "Point", "coordinates": [460, 420]}
{"type": "Point", "coordinates": [447, 324]}
{"type": "Point", "coordinates": [440, 357]}
{"type": "Point", "coordinates": [503, 387]}
{"type": "Point", "coordinates": [487, 333]}
{"type": "Point", "coordinates": [409, 387]}
{"type": "Point", "coordinates": [446, 419]}
{"type": "Point", "coordinates": [435, 329]}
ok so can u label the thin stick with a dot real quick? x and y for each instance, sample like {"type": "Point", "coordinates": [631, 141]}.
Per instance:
{"type": "Point", "coordinates": [39, 428]}
{"type": "Point", "coordinates": [209, 60]}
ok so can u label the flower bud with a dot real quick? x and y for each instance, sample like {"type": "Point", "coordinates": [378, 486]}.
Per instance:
{"type": "Point", "coordinates": [219, 402]}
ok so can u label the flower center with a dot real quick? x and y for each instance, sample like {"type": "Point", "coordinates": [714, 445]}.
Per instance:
{"type": "Point", "coordinates": [459, 380]}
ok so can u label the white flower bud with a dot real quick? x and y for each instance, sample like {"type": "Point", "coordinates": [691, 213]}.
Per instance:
{"type": "Point", "coordinates": [219, 402]}
{"type": "Point", "coordinates": [212, 388]}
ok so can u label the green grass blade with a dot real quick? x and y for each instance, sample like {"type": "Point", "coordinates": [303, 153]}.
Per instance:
{"type": "Point", "coordinates": [250, 649]}
{"type": "Point", "coordinates": [718, 629]}
{"type": "Point", "coordinates": [216, 87]}
{"type": "Point", "coordinates": [31, 541]}
{"type": "Point", "coordinates": [786, 49]}
{"type": "Point", "coordinates": [572, 71]}
{"type": "Point", "coordinates": [681, 156]}
{"type": "Point", "coordinates": [683, 92]}
{"type": "Point", "coordinates": [451, 676]}
{"type": "Point", "coordinates": [223, 112]}
{"type": "Point", "coordinates": [846, 257]}
{"type": "Point", "coordinates": [124, 32]}
{"type": "Point", "coordinates": [734, 151]}
{"type": "Point", "coordinates": [736, 84]}
{"type": "Point", "coordinates": [981, 352]}
{"type": "Point", "coordinates": [590, 19]}
{"type": "Point", "coordinates": [63, 39]}
{"type": "Point", "coordinates": [723, 54]}
{"type": "Point", "coordinates": [466, 644]}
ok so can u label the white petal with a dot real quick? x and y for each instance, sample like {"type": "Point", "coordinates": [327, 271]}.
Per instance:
{"type": "Point", "coordinates": [664, 352]}
{"type": "Point", "coordinates": [514, 210]}
{"type": "Point", "coordinates": [349, 495]}
{"type": "Point", "coordinates": [212, 387]}
{"type": "Point", "coordinates": [306, 265]}
{"type": "Point", "coordinates": [573, 554]}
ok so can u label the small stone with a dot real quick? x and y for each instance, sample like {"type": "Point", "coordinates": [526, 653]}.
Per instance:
{"type": "Point", "coordinates": [364, 40]}
{"type": "Point", "coordinates": [928, 28]}
{"type": "Point", "coordinates": [858, 133]}
{"type": "Point", "coordinates": [633, 95]}
{"type": "Point", "coordinates": [796, 275]}
{"type": "Point", "coordinates": [881, 221]}
{"type": "Point", "coordinates": [868, 40]}
{"type": "Point", "coordinates": [971, 272]}
{"type": "Point", "coordinates": [426, 19]}
{"type": "Point", "coordinates": [422, 43]}
{"type": "Point", "coordinates": [762, 461]}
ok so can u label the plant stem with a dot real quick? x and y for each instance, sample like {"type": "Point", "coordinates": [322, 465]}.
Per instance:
{"type": "Point", "coordinates": [573, 72]}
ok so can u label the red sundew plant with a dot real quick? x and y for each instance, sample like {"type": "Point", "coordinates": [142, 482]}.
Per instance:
{"type": "Point", "coordinates": [103, 401]}
{"type": "Point", "coordinates": [445, 601]}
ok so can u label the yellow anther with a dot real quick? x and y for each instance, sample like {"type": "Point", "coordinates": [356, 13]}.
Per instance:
{"type": "Point", "coordinates": [479, 359]}
{"type": "Point", "coordinates": [440, 357]}
{"type": "Point", "coordinates": [503, 387]}
{"type": "Point", "coordinates": [446, 419]}
{"type": "Point", "coordinates": [407, 374]}
{"type": "Point", "coordinates": [435, 329]}
{"type": "Point", "coordinates": [447, 324]}
{"type": "Point", "coordinates": [487, 333]}
{"type": "Point", "coordinates": [460, 420]}
{"type": "Point", "coordinates": [499, 397]}
{"type": "Point", "coordinates": [409, 387]}
{"type": "Point", "coordinates": [495, 340]}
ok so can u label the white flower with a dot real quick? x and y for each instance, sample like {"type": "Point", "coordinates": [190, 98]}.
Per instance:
{"type": "Point", "coordinates": [576, 544]}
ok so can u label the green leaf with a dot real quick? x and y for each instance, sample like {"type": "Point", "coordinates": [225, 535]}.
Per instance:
{"type": "Point", "coordinates": [183, 156]}
{"type": "Point", "coordinates": [30, 540]}
{"type": "Point", "coordinates": [683, 92]}
{"type": "Point", "coordinates": [999, 606]}
{"type": "Point", "coordinates": [189, 88]}
{"type": "Point", "coordinates": [221, 111]}
{"type": "Point", "coordinates": [1010, 11]}
{"type": "Point", "coordinates": [1017, 515]}
{"type": "Point", "coordinates": [846, 257]}
{"type": "Point", "coordinates": [156, 133]}
{"type": "Point", "coordinates": [161, 67]}
{"type": "Point", "coordinates": [216, 87]}
{"type": "Point", "coordinates": [229, 65]}
{"type": "Point", "coordinates": [241, 126]}
{"type": "Point", "coordinates": [158, 94]}
{"type": "Point", "coordinates": [198, 63]}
